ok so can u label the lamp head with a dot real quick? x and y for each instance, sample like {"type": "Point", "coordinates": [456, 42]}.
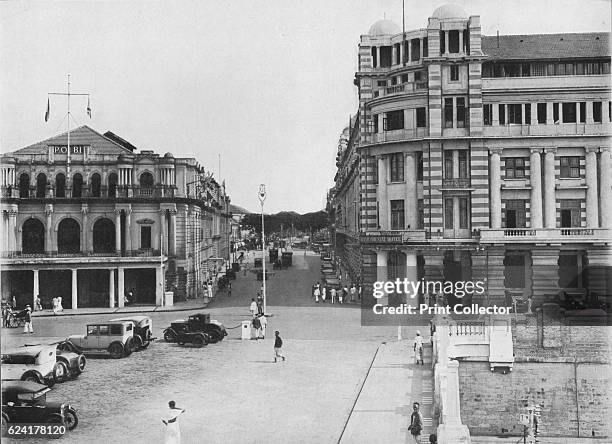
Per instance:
{"type": "Point", "coordinates": [262, 193]}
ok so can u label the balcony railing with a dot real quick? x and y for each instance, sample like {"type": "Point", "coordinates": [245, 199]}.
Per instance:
{"type": "Point", "coordinates": [456, 183]}
{"type": "Point", "coordinates": [545, 234]}
{"type": "Point", "coordinates": [86, 192]}
{"type": "Point", "coordinates": [397, 135]}
{"type": "Point", "coordinates": [577, 232]}
{"type": "Point", "coordinates": [55, 254]}
{"type": "Point", "coordinates": [519, 232]}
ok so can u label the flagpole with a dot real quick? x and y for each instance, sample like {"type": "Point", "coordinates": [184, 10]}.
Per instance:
{"type": "Point", "coordinates": [68, 158]}
{"type": "Point", "coordinates": [403, 34]}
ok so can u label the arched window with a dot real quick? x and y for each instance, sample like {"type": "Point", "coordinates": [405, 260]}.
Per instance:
{"type": "Point", "coordinates": [33, 237]}
{"type": "Point", "coordinates": [95, 185]}
{"type": "Point", "coordinates": [146, 180]}
{"type": "Point", "coordinates": [77, 185]}
{"type": "Point", "coordinates": [60, 185]}
{"type": "Point", "coordinates": [41, 185]}
{"type": "Point", "coordinates": [112, 185]}
{"type": "Point", "coordinates": [68, 236]}
{"type": "Point", "coordinates": [104, 236]}
{"type": "Point", "coordinates": [24, 185]}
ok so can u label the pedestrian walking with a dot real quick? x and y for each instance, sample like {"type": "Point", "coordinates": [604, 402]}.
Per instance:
{"type": "Point", "coordinates": [172, 434]}
{"type": "Point", "coordinates": [60, 307]}
{"type": "Point", "coordinates": [27, 327]}
{"type": "Point", "coordinates": [333, 295]}
{"type": "Point", "coordinates": [418, 348]}
{"type": "Point", "coordinates": [256, 324]}
{"type": "Point", "coordinates": [55, 309]}
{"type": "Point", "coordinates": [353, 292]}
{"type": "Point", "coordinates": [416, 423]}
{"type": "Point", "coordinates": [260, 305]}
{"type": "Point", "coordinates": [37, 304]}
{"type": "Point", "coordinates": [253, 307]}
{"type": "Point", "coordinates": [278, 345]}
{"type": "Point", "coordinates": [324, 293]}
{"type": "Point", "coordinates": [317, 293]}
{"type": "Point", "coordinates": [264, 323]}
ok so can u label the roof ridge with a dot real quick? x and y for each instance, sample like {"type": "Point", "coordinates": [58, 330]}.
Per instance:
{"type": "Point", "coordinates": [65, 133]}
{"type": "Point", "coordinates": [549, 34]}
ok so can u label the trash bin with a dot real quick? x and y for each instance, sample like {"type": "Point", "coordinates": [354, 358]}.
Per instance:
{"type": "Point", "coordinates": [246, 330]}
{"type": "Point", "coordinates": [169, 298]}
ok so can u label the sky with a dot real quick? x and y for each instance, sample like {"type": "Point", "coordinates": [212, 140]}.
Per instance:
{"type": "Point", "coordinates": [266, 86]}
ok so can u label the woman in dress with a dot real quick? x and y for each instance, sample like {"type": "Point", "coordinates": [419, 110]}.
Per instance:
{"type": "Point", "coordinates": [171, 421]}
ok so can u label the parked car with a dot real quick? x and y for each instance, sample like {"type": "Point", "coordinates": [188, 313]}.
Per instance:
{"type": "Point", "coordinates": [25, 402]}
{"type": "Point", "coordinates": [143, 325]}
{"type": "Point", "coordinates": [114, 338]}
{"type": "Point", "coordinates": [31, 363]}
{"type": "Point", "coordinates": [197, 323]}
{"type": "Point", "coordinates": [72, 363]}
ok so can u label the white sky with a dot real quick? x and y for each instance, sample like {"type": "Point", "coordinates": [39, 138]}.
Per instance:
{"type": "Point", "coordinates": [268, 84]}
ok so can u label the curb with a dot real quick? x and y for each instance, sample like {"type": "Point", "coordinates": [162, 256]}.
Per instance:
{"type": "Point", "coordinates": [116, 311]}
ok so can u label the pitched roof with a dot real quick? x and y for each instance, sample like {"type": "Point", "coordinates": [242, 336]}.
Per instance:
{"type": "Point", "coordinates": [547, 46]}
{"type": "Point", "coordinates": [83, 135]}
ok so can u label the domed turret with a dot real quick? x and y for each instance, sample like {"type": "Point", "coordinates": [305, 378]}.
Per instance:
{"type": "Point", "coordinates": [450, 11]}
{"type": "Point", "coordinates": [384, 27]}
{"type": "Point", "coordinates": [168, 156]}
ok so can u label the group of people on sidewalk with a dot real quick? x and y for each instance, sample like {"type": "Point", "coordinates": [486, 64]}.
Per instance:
{"type": "Point", "coordinates": [322, 293]}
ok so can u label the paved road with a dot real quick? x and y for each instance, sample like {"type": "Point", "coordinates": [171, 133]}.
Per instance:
{"type": "Point", "coordinates": [232, 390]}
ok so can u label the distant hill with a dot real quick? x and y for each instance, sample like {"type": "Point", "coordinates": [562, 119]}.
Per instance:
{"type": "Point", "coordinates": [305, 222]}
{"type": "Point", "coordinates": [235, 209]}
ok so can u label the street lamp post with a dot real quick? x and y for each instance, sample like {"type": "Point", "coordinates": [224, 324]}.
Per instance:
{"type": "Point", "coordinates": [262, 198]}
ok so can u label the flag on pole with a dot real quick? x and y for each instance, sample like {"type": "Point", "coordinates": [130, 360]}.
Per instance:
{"type": "Point", "coordinates": [88, 108]}
{"type": "Point", "coordinates": [47, 113]}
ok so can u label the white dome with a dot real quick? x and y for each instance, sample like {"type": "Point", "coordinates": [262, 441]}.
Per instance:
{"type": "Point", "coordinates": [384, 27]}
{"type": "Point", "coordinates": [450, 11]}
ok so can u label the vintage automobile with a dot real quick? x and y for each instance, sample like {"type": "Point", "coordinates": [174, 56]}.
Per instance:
{"type": "Point", "coordinates": [197, 323]}
{"type": "Point", "coordinates": [114, 338]}
{"type": "Point", "coordinates": [143, 325]}
{"type": "Point", "coordinates": [32, 363]}
{"type": "Point", "coordinates": [71, 363]}
{"type": "Point", "coordinates": [25, 402]}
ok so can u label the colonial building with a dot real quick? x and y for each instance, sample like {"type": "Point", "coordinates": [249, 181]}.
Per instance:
{"type": "Point", "coordinates": [87, 217]}
{"type": "Point", "coordinates": [479, 157]}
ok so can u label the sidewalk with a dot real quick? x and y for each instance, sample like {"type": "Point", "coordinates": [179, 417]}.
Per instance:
{"type": "Point", "coordinates": [382, 411]}
{"type": "Point", "coordinates": [192, 304]}
{"type": "Point", "coordinates": [541, 440]}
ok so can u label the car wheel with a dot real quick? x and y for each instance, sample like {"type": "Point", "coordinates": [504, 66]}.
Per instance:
{"type": "Point", "coordinates": [169, 336]}
{"type": "Point", "coordinates": [137, 343]}
{"type": "Point", "coordinates": [129, 346]}
{"type": "Point", "coordinates": [199, 341]}
{"type": "Point", "coordinates": [60, 371]}
{"type": "Point", "coordinates": [81, 362]}
{"type": "Point", "coordinates": [32, 377]}
{"type": "Point", "coordinates": [71, 419]}
{"type": "Point", "coordinates": [116, 350]}
{"type": "Point", "coordinates": [66, 346]}
{"type": "Point", "coordinates": [55, 419]}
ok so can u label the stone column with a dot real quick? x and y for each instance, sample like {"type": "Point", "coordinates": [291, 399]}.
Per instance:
{"type": "Point", "coordinates": [128, 229]}
{"type": "Point", "coordinates": [495, 175]}
{"type": "Point", "coordinates": [446, 39]}
{"type": "Point", "coordinates": [550, 210]}
{"type": "Point", "coordinates": [159, 286]}
{"type": "Point", "coordinates": [411, 192]}
{"type": "Point", "coordinates": [120, 287]}
{"type": "Point", "coordinates": [461, 51]}
{"type": "Point", "coordinates": [589, 112]}
{"type": "Point", "coordinates": [411, 275]}
{"type": "Point", "coordinates": [381, 272]}
{"type": "Point", "coordinates": [164, 231]}
{"type": "Point", "coordinates": [409, 55]}
{"type": "Point", "coordinates": [118, 231]}
{"type": "Point", "coordinates": [383, 203]}
{"type": "Point", "coordinates": [534, 114]}
{"type": "Point", "coordinates": [111, 288]}
{"type": "Point", "coordinates": [549, 113]}
{"type": "Point", "coordinates": [49, 228]}
{"type": "Point", "coordinates": [592, 203]}
{"type": "Point", "coordinates": [451, 430]}
{"type": "Point", "coordinates": [12, 230]}
{"type": "Point", "coordinates": [84, 228]}
{"type": "Point", "coordinates": [377, 57]}
{"type": "Point", "coordinates": [75, 288]}
{"type": "Point", "coordinates": [536, 188]}
{"type": "Point", "coordinates": [35, 288]}
{"type": "Point", "coordinates": [172, 242]}
{"type": "Point", "coordinates": [421, 48]}
{"type": "Point", "coordinates": [605, 182]}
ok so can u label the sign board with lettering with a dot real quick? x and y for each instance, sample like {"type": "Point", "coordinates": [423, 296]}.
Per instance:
{"type": "Point", "coordinates": [74, 149]}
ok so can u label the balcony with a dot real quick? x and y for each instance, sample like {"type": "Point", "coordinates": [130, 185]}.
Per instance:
{"type": "Point", "coordinates": [396, 136]}
{"type": "Point", "coordinates": [456, 183]}
{"type": "Point", "coordinates": [392, 237]}
{"type": "Point", "coordinates": [559, 129]}
{"type": "Point", "coordinates": [101, 259]}
{"type": "Point", "coordinates": [505, 84]}
{"type": "Point", "coordinates": [542, 235]}
{"type": "Point", "coordinates": [98, 254]}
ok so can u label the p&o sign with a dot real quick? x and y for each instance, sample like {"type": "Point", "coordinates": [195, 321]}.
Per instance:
{"type": "Point", "coordinates": [74, 149]}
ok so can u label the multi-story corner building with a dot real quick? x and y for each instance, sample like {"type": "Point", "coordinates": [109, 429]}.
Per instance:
{"type": "Point", "coordinates": [87, 218]}
{"type": "Point", "coordinates": [479, 157]}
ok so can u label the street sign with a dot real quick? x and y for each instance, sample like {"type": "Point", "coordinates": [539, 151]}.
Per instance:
{"type": "Point", "coordinates": [524, 419]}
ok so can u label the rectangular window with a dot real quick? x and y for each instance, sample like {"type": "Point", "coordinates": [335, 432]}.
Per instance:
{"type": "Point", "coordinates": [570, 166]}
{"type": "Point", "coordinates": [419, 162]}
{"type": "Point", "coordinates": [425, 48]}
{"type": "Point", "coordinates": [463, 213]}
{"type": "Point", "coordinates": [418, 76]}
{"type": "Point", "coordinates": [381, 83]}
{"type": "Point", "coordinates": [502, 114]}
{"type": "Point", "coordinates": [395, 120]}
{"type": "Point", "coordinates": [516, 213]}
{"type": "Point", "coordinates": [569, 112]}
{"type": "Point", "coordinates": [556, 112]}
{"type": "Point", "coordinates": [421, 210]}
{"type": "Point", "coordinates": [415, 50]}
{"type": "Point", "coordinates": [421, 118]}
{"type": "Point", "coordinates": [115, 329]}
{"type": "Point", "coordinates": [463, 164]}
{"type": "Point", "coordinates": [397, 47]}
{"type": "Point", "coordinates": [597, 112]}
{"type": "Point", "coordinates": [375, 122]}
{"type": "Point", "coordinates": [605, 67]}
{"type": "Point", "coordinates": [515, 114]}
{"type": "Point", "coordinates": [515, 168]}
{"type": "Point", "coordinates": [448, 113]}
{"type": "Point", "coordinates": [551, 69]}
{"type": "Point", "coordinates": [375, 169]}
{"type": "Point", "coordinates": [525, 70]}
{"type": "Point", "coordinates": [579, 69]}
{"type": "Point", "coordinates": [145, 237]}
{"type": "Point", "coordinates": [385, 56]}
{"type": "Point", "coordinates": [538, 69]}
{"type": "Point", "coordinates": [527, 113]}
{"type": "Point", "coordinates": [487, 114]}
{"type": "Point", "coordinates": [374, 57]}
{"type": "Point", "coordinates": [92, 330]}
{"type": "Point", "coordinates": [582, 112]}
{"type": "Point", "coordinates": [514, 271]}
{"type": "Point", "coordinates": [397, 215]}
{"type": "Point", "coordinates": [442, 43]}
{"type": "Point", "coordinates": [570, 213]}
{"type": "Point", "coordinates": [569, 273]}
{"type": "Point", "coordinates": [448, 214]}
{"type": "Point", "coordinates": [448, 164]}
{"type": "Point", "coordinates": [569, 69]}
{"type": "Point", "coordinates": [466, 41]}
{"type": "Point", "coordinates": [461, 123]}
{"type": "Point", "coordinates": [393, 81]}
{"type": "Point", "coordinates": [104, 330]}
{"type": "Point", "coordinates": [454, 73]}
{"type": "Point", "coordinates": [397, 167]}
{"type": "Point", "coordinates": [513, 70]}
{"type": "Point", "coordinates": [542, 113]}
{"type": "Point", "coordinates": [404, 78]}
{"type": "Point", "coordinates": [498, 70]}
{"type": "Point", "coordinates": [487, 70]}
{"type": "Point", "coordinates": [453, 41]}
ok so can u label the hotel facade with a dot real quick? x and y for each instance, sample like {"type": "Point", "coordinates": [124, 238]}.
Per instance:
{"type": "Point", "coordinates": [87, 218]}
{"type": "Point", "coordinates": [479, 157]}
